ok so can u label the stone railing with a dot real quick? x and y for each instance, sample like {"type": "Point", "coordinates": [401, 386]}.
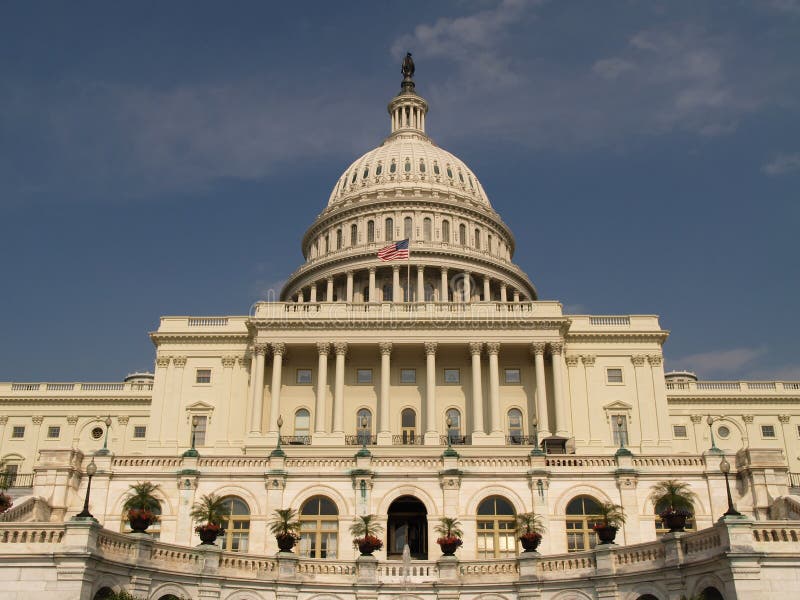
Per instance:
{"type": "Point", "coordinates": [43, 535]}
{"type": "Point", "coordinates": [27, 509]}
{"type": "Point", "coordinates": [725, 388]}
{"type": "Point", "coordinates": [75, 389]}
{"type": "Point", "coordinates": [768, 535]}
{"type": "Point", "coordinates": [417, 571]}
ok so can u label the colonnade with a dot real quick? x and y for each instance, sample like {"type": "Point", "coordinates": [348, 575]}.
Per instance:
{"type": "Point", "coordinates": [475, 404]}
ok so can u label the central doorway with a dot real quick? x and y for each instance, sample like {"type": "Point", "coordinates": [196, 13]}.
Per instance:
{"type": "Point", "coordinates": [407, 524]}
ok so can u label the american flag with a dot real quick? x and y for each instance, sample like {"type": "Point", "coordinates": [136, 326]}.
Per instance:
{"type": "Point", "coordinates": [395, 251]}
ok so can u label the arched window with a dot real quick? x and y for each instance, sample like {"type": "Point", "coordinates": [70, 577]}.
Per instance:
{"type": "Point", "coordinates": [661, 528]}
{"type": "Point", "coordinates": [355, 174]}
{"type": "Point", "coordinates": [319, 528]}
{"type": "Point", "coordinates": [338, 239]}
{"type": "Point", "coordinates": [449, 172]}
{"type": "Point", "coordinates": [366, 173]}
{"type": "Point", "coordinates": [393, 167]}
{"type": "Point", "coordinates": [370, 231]}
{"type": "Point", "coordinates": [236, 524]}
{"type": "Point", "coordinates": [364, 435]}
{"type": "Point", "coordinates": [496, 534]}
{"type": "Point", "coordinates": [489, 242]}
{"type": "Point", "coordinates": [408, 166]}
{"type": "Point", "coordinates": [103, 593]}
{"type": "Point", "coordinates": [435, 168]}
{"type": "Point", "coordinates": [477, 239]}
{"type": "Point", "coordinates": [446, 231]}
{"type": "Point", "coordinates": [462, 234]}
{"type": "Point", "coordinates": [302, 426]}
{"type": "Point", "coordinates": [379, 169]}
{"type": "Point", "coordinates": [515, 426]}
{"type": "Point", "coordinates": [421, 166]}
{"type": "Point", "coordinates": [154, 530]}
{"type": "Point", "coordinates": [327, 243]}
{"type": "Point", "coordinates": [408, 423]}
{"type": "Point", "coordinates": [454, 431]}
{"type": "Point", "coordinates": [427, 229]}
{"type": "Point", "coordinates": [430, 292]}
{"type": "Point", "coordinates": [353, 234]}
{"type": "Point", "coordinates": [582, 515]}
{"type": "Point", "coordinates": [365, 294]}
{"type": "Point", "coordinates": [407, 228]}
{"type": "Point", "coordinates": [388, 230]}
{"type": "Point", "coordinates": [387, 292]}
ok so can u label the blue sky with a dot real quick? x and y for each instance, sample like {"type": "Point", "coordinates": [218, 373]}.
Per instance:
{"type": "Point", "coordinates": [165, 158]}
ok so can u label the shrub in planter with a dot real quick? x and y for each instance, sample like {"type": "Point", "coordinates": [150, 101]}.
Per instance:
{"type": "Point", "coordinates": [209, 532]}
{"type": "Point", "coordinates": [209, 513]}
{"type": "Point", "coordinates": [611, 517]}
{"type": "Point", "coordinates": [142, 505]}
{"type": "Point", "coordinates": [365, 531]}
{"type": "Point", "coordinates": [676, 501]}
{"type": "Point", "coordinates": [285, 526]}
{"type": "Point", "coordinates": [5, 502]}
{"type": "Point", "coordinates": [529, 530]}
{"type": "Point", "coordinates": [450, 533]}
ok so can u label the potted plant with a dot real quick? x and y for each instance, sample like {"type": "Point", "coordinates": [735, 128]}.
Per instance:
{"type": "Point", "coordinates": [285, 527]}
{"type": "Point", "coordinates": [5, 480]}
{"type": "Point", "coordinates": [677, 500]}
{"type": "Point", "coordinates": [450, 533]}
{"type": "Point", "coordinates": [366, 530]}
{"type": "Point", "coordinates": [209, 513]}
{"type": "Point", "coordinates": [611, 517]}
{"type": "Point", "coordinates": [529, 529]}
{"type": "Point", "coordinates": [142, 505]}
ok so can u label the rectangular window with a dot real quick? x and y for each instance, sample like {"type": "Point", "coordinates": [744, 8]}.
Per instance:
{"type": "Point", "coordinates": [203, 376]}
{"type": "Point", "coordinates": [768, 431]}
{"type": "Point", "coordinates": [140, 432]}
{"type": "Point", "coordinates": [679, 431]}
{"type": "Point", "coordinates": [53, 431]}
{"type": "Point", "coordinates": [18, 431]}
{"type": "Point", "coordinates": [408, 376]}
{"type": "Point", "coordinates": [452, 376]}
{"type": "Point", "coordinates": [303, 376]}
{"type": "Point", "coordinates": [200, 430]}
{"type": "Point", "coordinates": [614, 375]}
{"type": "Point", "coordinates": [363, 376]}
{"type": "Point", "coordinates": [512, 376]}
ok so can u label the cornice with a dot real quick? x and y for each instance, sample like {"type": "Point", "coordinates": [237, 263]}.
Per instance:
{"type": "Point", "coordinates": [77, 400]}
{"type": "Point", "coordinates": [504, 323]}
{"type": "Point", "coordinates": [618, 337]}
{"type": "Point", "coordinates": [198, 338]}
{"type": "Point", "coordinates": [744, 399]}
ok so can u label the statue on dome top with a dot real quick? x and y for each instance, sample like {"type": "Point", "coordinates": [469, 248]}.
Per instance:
{"type": "Point", "coordinates": [408, 66]}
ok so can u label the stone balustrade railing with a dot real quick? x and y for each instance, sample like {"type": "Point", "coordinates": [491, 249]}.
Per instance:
{"type": "Point", "coordinates": [75, 389]}
{"type": "Point", "coordinates": [716, 388]}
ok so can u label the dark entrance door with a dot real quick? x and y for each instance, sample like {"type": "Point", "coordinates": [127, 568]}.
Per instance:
{"type": "Point", "coordinates": [407, 524]}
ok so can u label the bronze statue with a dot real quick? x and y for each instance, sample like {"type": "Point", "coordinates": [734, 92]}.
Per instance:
{"type": "Point", "coordinates": [408, 66]}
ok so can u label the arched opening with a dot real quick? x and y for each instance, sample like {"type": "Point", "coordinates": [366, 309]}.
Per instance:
{"type": "Point", "coordinates": [427, 229]}
{"type": "Point", "coordinates": [430, 292]}
{"type": "Point", "coordinates": [388, 230]}
{"type": "Point", "coordinates": [319, 528]}
{"type": "Point", "coordinates": [364, 435]}
{"type": "Point", "coordinates": [103, 593]}
{"type": "Point", "coordinates": [661, 528]}
{"type": "Point", "coordinates": [408, 228]}
{"type": "Point", "coordinates": [515, 426]}
{"type": "Point", "coordinates": [647, 597]}
{"type": "Point", "coordinates": [339, 239]}
{"type": "Point", "coordinates": [408, 423]}
{"type": "Point", "coordinates": [462, 234]}
{"type": "Point", "coordinates": [711, 593]}
{"type": "Point", "coordinates": [169, 597]}
{"type": "Point", "coordinates": [454, 429]}
{"type": "Point", "coordinates": [353, 234]}
{"type": "Point", "coordinates": [236, 525]}
{"type": "Point", "coordinates": [446, 231]}
{"type": "Point", "coordinates": [370, 231]}
{"type": "Point", "coordinates": [302, 427]}
{"type": "Point", "coordinates": [407, 524]}
{"type": "Point", "coordinates": [582, 515]}
{"type": "Point", "coordinates": [496, 533]}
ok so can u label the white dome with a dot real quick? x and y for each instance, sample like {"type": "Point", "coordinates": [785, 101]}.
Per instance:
{"type": "Point", "coordinates": [416, 160]}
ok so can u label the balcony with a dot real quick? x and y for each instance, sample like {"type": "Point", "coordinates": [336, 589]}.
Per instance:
{"type": "Point", "coordinates": [408, 439]}
{"type": "Point", "coordinates": [16, 480]}
{"type": "Point", "coordinates": [296, 440]}
{"type": "Point", "coordinates": [455, 440]}
{"type": "Point", "coordinates": [360, 439]}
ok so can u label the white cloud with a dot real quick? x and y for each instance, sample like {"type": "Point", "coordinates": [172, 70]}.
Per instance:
{"type": "Point", "coordinates": [782, 164]}
{"type": "Point", "coordinates": [719, 362]}
{"type": "Point", "coordinates": [612, 68]}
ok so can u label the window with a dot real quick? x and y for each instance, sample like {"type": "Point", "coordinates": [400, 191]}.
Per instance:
{"type": "Point", "coordinates": [449, 172]}
{"type": "Point", "coordinates": [421, 166]}
{"type": "Point", "coordinates": [319, 528]}
{"type": "Point", "coordinates": [366, 173]}
{"type": "Point", "coordinates": [446, 231]}
{"type": "Point", "coordinates": [96, 433]}
{"type": "Point", "coordinates": [355, 174]}
{"type": "Point", "coordinates": [8, 477]}
{"type": "Point", "coordinates": [408, 423]}
{"type": "Point", "coordinates": [53, 431]}
{"type": "Point", "coordinates": [303, 376]}
{"type": "Point", "coordinates": [379, 169]}
{"type": "Point", "coordinates": [477, 240]}
{"type": "Point", "coordinates": [495, 524]}
{"type": "Point", "coordinates": [393, 167]}
{"type": "Point", "coordinates": [724, 431]}
{"type": "Point", "coordinates": [236, 524]}
{"type": "Point", "coordinates": [582, 514]}
{"type": "Point", "coordinates": [338, 239]}
{"type": "Point", "coordinates": [515, 426]}
{"type": "Point", "coordinates": [454, 431]}
{"type": "Point", "coordinates": [302, 426]}
{"type": "Point", "coordinates": [462, 234]}
{"type": "Point", "coordinates": [200, 430]}
{"type": "Point", "coordinates": [388, 230]}
{"type": "Point", "coordinates": [364, 435]}
{"type": "Point", "coordinates": [512, 376]}
{"type": "Point", "coordinates": [452, 376]}
{"type": "Point", "coordinates": [435, 168]}
{"type": "Point", "coordinates": [614, 375]}
{"type": "Point", "coordinates": [408, 166]}
{"type": "Point", "coordinates": [619, 426]}
{"type": "Point", "coordinates": [408, 228]}
{"type": "Point", "coordinates": [798, 431]}
{"type": "Point", "coordinates": [327, 243]}
{"type": "Point", "coordinates": [408, 376]}
{"type": "Point", "coordinates": [489, 242]}
{"type": "Point", "coordinates": [140, 432]}
{"type": "Point", "coordinates": [363, 376]}
{"type": "Point", "coordinates": [427, 229]}
{"type": "Point", "coordinates": [370, 232]}
{"type": "Point", "coordinates": [767, 431]}
{"type": "Point", "coordinates": [154, 530]}
{"type": "Point", "coordinates": [202, 376]}
{"type": "Point", "coordinates": [430, 293]}
{"type": "Point", "coordinates": [679, 431]}
{"type": "Point", "coordinates": [365, 294]}
{"type": "Point", "coordinates": [387, 292]}
{"type": "Point", "coordinates": [353, 234]}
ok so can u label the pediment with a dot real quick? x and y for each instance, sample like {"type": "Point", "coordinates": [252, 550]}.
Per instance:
{"type": "Point", "coordinates": [618, 405]}
{"type": "Point", "coordinates": [200, 406]}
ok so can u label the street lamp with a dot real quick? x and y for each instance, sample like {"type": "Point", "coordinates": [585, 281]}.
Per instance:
{"type": "Point", "coordinates": [278, 451]}
{"type": "Point", "coordinates": [536, 451]}
{"type": "Point", "coordinates": [711, 420]}
{"type": "Point", "coordinates": [725, 467]}
{"type": "Point", "coordinates": [364, 451]}
{"type": "Point", "coordinates": [104, 450]}
{"type": "Point", "coordinates": [449, 451]}
{"type": "Point", "coordinates": [91, 469]}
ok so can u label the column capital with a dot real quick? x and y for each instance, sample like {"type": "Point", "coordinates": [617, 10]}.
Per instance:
{"type": "Point", "coordinates": [123, 420]}
{"type": "Point", "coordinates": [395, 268]}
{"type": "Point", "coordinates": [537, 347]}
{"type": "Point", "coordinates": [420, 267]}
{"type": "Point", "coordinates": [655, 360]}
{"type": "Point", "coordinates": [278, 349]}
{"type": "Point", "coordinates": [37, 420]}
{"type": "Point", "coordinates": [444, 270]}
{"type": "Point", "coordinates": [71, 419]}
{"type": "Point", "coordinates": [784, 418]}
{"type": "Point", "coordinates": [696, 419]}
{"type": "Point", "coordinates": [260, 348]}
{"type": "Point", "coordinates": [372, 270]}
{"type": "Point", "coordinates": [385, 347]}
{"type": "Point", "coordinates": [179, 361]}
{"type": "Point", "coordinates": [340, 348]}
{"type": "Point", "coordinates": [4, 420]}
{"type": "Point", "coordinates": [162, 361]}
{"type": "Point", "coordinates": [556, 348]}
{"type": "Point", "coordinates": [572, 360]}
{"type": "Point", "coordinates": [430, 347]}
{"type": "Point", "coordinates": [228, 361]}
{"type": "Point", "coordinates": [329, 279]}
{"type": "Point", "coordinates": [747, 418]}
{"type": "Point", "coordinates": [475, 348]}
{"type": "Point", "coordinates": [638, 360]}
{"type": "Point", "coordinates": [588, 360]}
{"type": "Point", "coordinates": [349, 272]}
{"type": "Point", "coordinates": [492, 348]}
{"type": "Point", "coordinates": [323, 348]}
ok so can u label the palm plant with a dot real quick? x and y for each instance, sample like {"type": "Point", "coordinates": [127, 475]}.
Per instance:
{"type": "Point", "coordinates": [611, 515]}
{"type": "Point", "coordinates": [529, 523]}
{"type": "Point", "coordinates": [209, 510]}
{"type": "Point", "coordinates": [366, 525]}
{"type": "Point", "coordinates": [142, 496]}
{"type": "Point", "coordinates": [449, 528]}
{"type": "Point", "coordinates": [284, 522]}
{"type": "Point", "coordinates": [674, 495]}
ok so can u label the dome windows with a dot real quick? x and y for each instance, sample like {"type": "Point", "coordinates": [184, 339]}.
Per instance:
{"type": "Point", "coordinates": [421, 166]}
{"type": "Point", "coordinates": [393, 167]}
{"type": "Point", "coordinates": [408, 166]}
{"type": "Point", "coordinates": [370, 231]}
{"type": "Point", "coordinates": [446, 231]}
{"type": "Point", "coordinates": [436, 168]}
{"type": "Point", "coordinates": [449, 172]}
{"type": "Point", "coordinates": [355, 175]}
{"type": "Point", "coordinates": [388, 230]}
{"type": "Point", "coordinates": [461, 176]}
{"type": "Point", "coordinates": [379, 169]}
{"type": "Point", "coordinates": [366, 173]}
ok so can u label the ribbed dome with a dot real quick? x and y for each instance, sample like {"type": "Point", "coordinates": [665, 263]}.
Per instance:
{"type": "Point", "coordinates": [408, 160]}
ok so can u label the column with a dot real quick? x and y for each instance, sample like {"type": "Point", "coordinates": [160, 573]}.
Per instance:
{"type": "Point", "coordinates": [516, 295]}
{"type": "Point", "coordinates": [123, 435]}
{"type": "Point", "coordinates": [373, 296]}
{"type": "Point", "coordinates": [340, 348]}
{"type": "Point", "coordinates": [556, 350]}
{"type": "Point", "coordinates": [323, 348]}
{"type": "Point", "coordinates": [329, 290]}
{"type": "Point", "coordinates": [503, 293]}
{"type": "Point", "coordinates": [443, 295]}
{"type": "Point", "coordinates": [278, 351]}
{"type": "Point", "coordinates": [300, 298]}
{"type": "Point", "coordinates": [467, 287]}
{"type": "Point", "coordinates": [257, 380]}
{"type": "Point", "coordinates": [589, 376]}
{"type": "Point", "coordinates": [487, 293]}
{"type": "Point", "coordinates": [313, 296]}
{"type": "Point", "coordinates": [648, 425]}
{"type": "Point", "coordinates": [431, 433]}
{"type": "Point", "coordinates": [349, 291]}
{"type": "Point", "coordinates": [493, 349]}
{"type": "Point", "coordinates": [541, 390]}
{"type": "Point", "coordinates": [4, 421]}
{"type": "Point", "coordinates": [475, 349]}
{"type": "Point", "coordinates": [420, 283]}
{"type": "Point", "coordinates": [383, 407]}
{"type": "Point", "coordinates": [576, 384]}
{"type": "Point", "coordinates": [72, 421]}
{"type": "Point", "coordinates": [660, 395]}
{"type": "Point", "coordinates": [397, 292]}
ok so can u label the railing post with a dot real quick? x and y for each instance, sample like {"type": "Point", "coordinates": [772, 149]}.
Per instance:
{"type": "Point", "coordinates": [448, 568]}
{"type": "Point", "coordinates": [211, 555]}
{"type": "Point", "coordinates": [287, 565]}
{"type": "Point", "coordinates": [366, 570]}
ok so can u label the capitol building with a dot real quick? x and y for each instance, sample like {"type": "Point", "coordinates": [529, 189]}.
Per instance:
{"type": "Point", "coordinates": [438, 384]}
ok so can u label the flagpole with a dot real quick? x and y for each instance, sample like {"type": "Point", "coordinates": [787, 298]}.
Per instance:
{"type": "Point", "coordinates": [408, 272]}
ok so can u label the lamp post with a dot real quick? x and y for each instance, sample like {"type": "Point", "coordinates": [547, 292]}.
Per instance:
{"type": "Point", "coordinates": [91, 469]}
{"type": "Point", "coordinates": [278, 450]}
{"type": "Point", "coordinates": [104, 450]}
{"type": "Point", "coordinates": [536, 451]}
{"type": "Point", "coordinates": [449, 451]}
{"type": "Point", "coordinates": [725, 467]}
{"type": "Point", "coordinates": [710, 420]}
{"type": "Point", "coordinates": [363, 451]}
